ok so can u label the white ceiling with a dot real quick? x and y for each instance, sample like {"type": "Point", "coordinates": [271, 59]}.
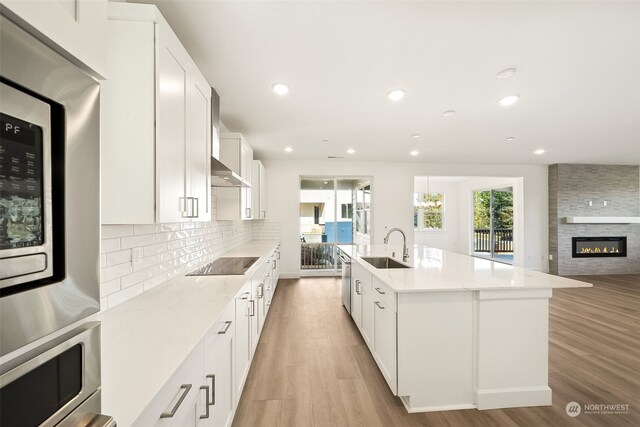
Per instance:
{"type": "Point", "coordinates": [578, 77]}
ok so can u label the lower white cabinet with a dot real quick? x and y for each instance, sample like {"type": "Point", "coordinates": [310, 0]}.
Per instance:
{"type": "Point", "coordinates": [385, 342]}
{"type": "Point", "coordinates": [367, 324]}
{"type": "Point", "coordinates": [177, 404]}
{"type": "Point", "coordinates": [218, 371]}
{"type": "Point", "coordinates": [243, 339]}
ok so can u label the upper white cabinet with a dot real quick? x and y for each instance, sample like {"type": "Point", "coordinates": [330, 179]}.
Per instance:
{"type": "Point", "coordinates": [259, 190]}
{"type": "Point", "coordinates": [235, 203]}
{"type": "Point", "coordinates": [77, 29]}
{"type": "Point", "coordinates": [156, 124]}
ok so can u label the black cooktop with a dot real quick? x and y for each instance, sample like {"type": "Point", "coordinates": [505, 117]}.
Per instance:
{"type": "Point", "coordinates": [229, 266]}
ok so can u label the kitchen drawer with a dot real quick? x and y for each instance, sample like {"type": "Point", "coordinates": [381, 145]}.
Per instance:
{"type": "Point", "coordinates": [384, 294]}
{"type": "Point", "coordinates": [183, 386]}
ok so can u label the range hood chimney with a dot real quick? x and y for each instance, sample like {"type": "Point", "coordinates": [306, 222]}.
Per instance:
{"type": "Point", "coordinates": [221, 175]}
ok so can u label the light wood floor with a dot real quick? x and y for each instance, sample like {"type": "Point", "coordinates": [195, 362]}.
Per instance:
{"type": "Point", "coordinates": [312, 368]}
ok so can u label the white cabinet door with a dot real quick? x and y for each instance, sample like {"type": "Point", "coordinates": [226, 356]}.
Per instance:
{"type": "Point", "coordinates": [385, 349]}
{"type": "Point", "coordinates": [171, 162]}
{"type": "Point", "coordinates": [242, 341]}
{"type": "Point", "coordinates": [356, 302]}
{"type": "Point", "coordinates": [218, 370]}
{"type": "Point", "coordinates": [259, 190]}
{"type": "Point", "coordinates": [77, 29]}
{"type": "Point", "coordinates": [367, 325]}
{"type": "Point", "coordinates": [199, 149]}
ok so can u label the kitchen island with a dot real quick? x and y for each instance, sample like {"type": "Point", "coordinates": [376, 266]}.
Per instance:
{"type": "Point", "coordinates": [454, 331]}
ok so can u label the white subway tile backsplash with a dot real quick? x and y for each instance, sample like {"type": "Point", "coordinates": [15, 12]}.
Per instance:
{"type": "Point", "coordinates": [111, 231]}
{"type": "Point", "coordinates": [136, 277]}
{"type": "Point", "coordinates": [167, 250]}
{"type": "Point", "coordinates": [114, 272]}
{"type": "Point", "coordinates": [109, 245]}
{"type": "Point", "coordinates": [118, 257]}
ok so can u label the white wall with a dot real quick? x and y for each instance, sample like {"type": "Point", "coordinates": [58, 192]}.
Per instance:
{"type": "Point", "coordinates": [392, 199]}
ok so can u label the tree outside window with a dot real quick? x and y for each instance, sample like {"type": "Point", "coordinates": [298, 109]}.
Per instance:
{"type": "Point", "coordinates": [428, 211]}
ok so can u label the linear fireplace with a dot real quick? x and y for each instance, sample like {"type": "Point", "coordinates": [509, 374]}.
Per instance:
{"type": "Point", "coordinates": [599, 247]}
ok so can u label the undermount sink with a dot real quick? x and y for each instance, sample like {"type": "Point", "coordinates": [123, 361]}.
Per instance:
{"type": "Point", "coordinates": [384, 262]}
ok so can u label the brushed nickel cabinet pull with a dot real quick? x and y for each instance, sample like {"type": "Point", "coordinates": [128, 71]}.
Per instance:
{"type": "Point", "coordinates": [185, 390]}
{"type": "Point", "coordinates": [206, 413]}
{"type": "Point", "coordinates": [226, 327]}
{"type": "Point", "coordinates": [379, 306]}
{"type": "Point", "coordinates": [380, 291]}
{"type": "Point", "coordinates": [213, 389]}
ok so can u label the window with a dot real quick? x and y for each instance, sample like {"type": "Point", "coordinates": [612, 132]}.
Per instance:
{"type": "Point", "coordinates": [428, 211]}
{"type": "Point", "coordinates": [347, 210]}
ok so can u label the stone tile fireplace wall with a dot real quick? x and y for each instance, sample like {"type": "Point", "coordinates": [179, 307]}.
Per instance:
{"type": "Point", "coordinates": [571, 187]}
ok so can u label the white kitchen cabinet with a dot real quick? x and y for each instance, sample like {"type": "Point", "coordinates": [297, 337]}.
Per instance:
{"type": "Point", "coordinates": [256, 308]}
{"type": "Point", "coordinates": [367, 326]}
{"type": "Point", "coordinates": [156, 124]}
{"type": "Point", "coordinates": [242, 354]}
{"type": "Point", "coordinates": [218, 371]}
{"type": "Point", "coordinates": [77, 29]}
{"type": "Point", "coordinates": [178, 403]}
{"type": "Point", "coordinates": [361, 280]}
{"type": "Point", "coordinates": [259, 190]}
{"type": "Point", "coordinates": [235, 203]}
{"type": "Point", "coordinates": [385, 342]}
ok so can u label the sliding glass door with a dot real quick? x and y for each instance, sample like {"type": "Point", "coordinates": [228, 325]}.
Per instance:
{"type": "Point", "coordinates": [493, 224]}
{"type": "Point", "coordinates": [328, 207]}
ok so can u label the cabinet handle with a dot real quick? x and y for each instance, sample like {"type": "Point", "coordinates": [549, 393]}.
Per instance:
{"type": "Point", "coordinates": [213, 389]}
{"type": "Point", "coordinates": [263, 214]}
{"type": "Point", "coordinates": [260, 290]}
{"type": "Point", "coordinates": [227, 323]}
{"type": "Point", "coordinates": [197, 210]}
{"type": "Point", "coordinates": [379, 306]}
{"type": "Point", "coordinates": [182, 206]}
{"type": "Point", "coordinates": [206, 413]}
{"type": "Point", "coordinates": [246, 295]}
{"type": "Point", "coordinates": [247, 212]}
{"type": "Point", "coordinates": [275, 263]}
{"type": "Point", "coordinates": [358, 287]}
{"type": "Point", "coordinates": [253, 308]}
{"type": "Point", "coordinates": [170, 414]}
{"type": "Point", "coordinates": [380, 291]}
{"type": "Point", "coordinates": [278, 254]}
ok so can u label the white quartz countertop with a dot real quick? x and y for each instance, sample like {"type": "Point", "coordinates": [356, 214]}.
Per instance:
{"type": "Point", "coordinates": [440, 270]}
{"type": "Point", "coordinates": [145, 339]}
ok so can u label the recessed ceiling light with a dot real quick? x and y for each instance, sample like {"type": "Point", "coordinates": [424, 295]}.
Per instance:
{"type": "Point", "coordinates": [506, 73]}
{"type": "Point", "coordinates": [396, 95]}
{"type": "Point", "coordinates": [509, 100]}
{"type": "Point", "coordinates": [326, 182]}
{"type": "Point", "coordinates": [415, 135]}
{"type": "Point", "coordinates": [280, 88]}
{"type": "Point", "coordinates": [414, 153]}
{"type": "Point", "coordinates": [538, 152]}
{"type": "Point", "coordinates": [225, 178]}
{"type": "Point", "coordinates": [351, 151]}
{"type": "Point", "coordinates": [449, 113]}
{"type": "Point", "coordinates": [288, 149]}
{"type": "Point", "coordinates": [325, 141]}
{"type": "Point", "coordinates": [511, 138]}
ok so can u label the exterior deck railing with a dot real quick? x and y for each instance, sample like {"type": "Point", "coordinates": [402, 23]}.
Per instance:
{"type": "Point", "coordinates": [503, 240]}
{"type": "Point", "coordinates": [317, 256]}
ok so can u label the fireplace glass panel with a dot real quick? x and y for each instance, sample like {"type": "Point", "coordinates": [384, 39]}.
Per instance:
{"type": "Point", "coordinates": [599, 247]}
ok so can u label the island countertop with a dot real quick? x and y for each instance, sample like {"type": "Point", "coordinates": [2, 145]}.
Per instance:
{"type": "Point", "coordinates": [437, 270]}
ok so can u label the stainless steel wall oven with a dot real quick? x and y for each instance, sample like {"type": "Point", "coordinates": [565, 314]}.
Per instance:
{"type": "Point", "coordinates": [49, 190]}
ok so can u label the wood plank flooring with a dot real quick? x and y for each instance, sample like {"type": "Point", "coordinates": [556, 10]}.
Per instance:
{"type": "Point", "coordinates": [312, 367]}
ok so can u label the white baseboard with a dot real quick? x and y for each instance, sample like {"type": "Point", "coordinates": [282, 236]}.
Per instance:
{"type": "Point", "coordinates": [290, 275]}
{"type": "Point", "coordinates": [412, 410]}
{"type": "Point", "coordinates": [513, 397]}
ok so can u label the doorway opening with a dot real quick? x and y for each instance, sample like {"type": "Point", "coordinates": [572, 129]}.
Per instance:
{"type": "Point", "coordinates": [493, 224]}
{"type": "Point", "coordinates": [333, 211]}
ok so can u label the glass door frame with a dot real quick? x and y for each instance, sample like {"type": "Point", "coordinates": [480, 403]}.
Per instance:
{"type": "Point", "coordinates": [337, 265]}
{"type": "Point", "coordinates": [492, 235]}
